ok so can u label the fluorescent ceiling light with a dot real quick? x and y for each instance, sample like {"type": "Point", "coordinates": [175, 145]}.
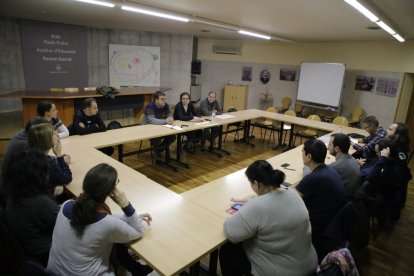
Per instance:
{"type": "Point", "coordinates": [254, 34]}
{"type": "Point", "coordinates": [101, 3]}
{"type": "Point", "coordinates": [385, 27]}
{"type": "Point", "coordinates": [362, 10]}
{"type": "Point", "coordinates": [153, 13]}
{"type": "Point", "coordinates": [398, 37]}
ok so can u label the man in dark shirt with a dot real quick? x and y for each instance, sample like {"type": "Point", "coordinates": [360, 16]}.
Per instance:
{"type": "Point", "coordinates": [210, 107]}
{"type": "Point", "coordinates": [376, 133]}
{"type": "Point", "coordinates": [87, 120]}
{"type": "Point", "coordinates": [322, 190]}
{"type": "Point", "coordinates": [158, 113]}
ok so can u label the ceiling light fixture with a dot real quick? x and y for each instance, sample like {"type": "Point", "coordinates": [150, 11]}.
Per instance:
{"type": "Point", "coordinates": [374, 18]}
{"type": "Point", "coordinates": [100, 3]}
{"type": "Point", "coordinates": [254, 34]}
{"type": "Point", "coordinates": [154, 13]}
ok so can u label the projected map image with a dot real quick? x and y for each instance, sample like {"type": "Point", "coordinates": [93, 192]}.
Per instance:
{"type": "Point", "coordinates": [134, 65]}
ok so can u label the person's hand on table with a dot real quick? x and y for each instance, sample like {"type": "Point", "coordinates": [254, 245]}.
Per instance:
{"type": "Point", "coordinates": [242, 201]}
{"type": "Point", "coordinates": [197, 119]}
{"type": "Point", "coordinates": [146, 217]}
{"type": "Point", "coordinates": [67, 158]}
{"type": "Point", "coordinates": [170, 120]}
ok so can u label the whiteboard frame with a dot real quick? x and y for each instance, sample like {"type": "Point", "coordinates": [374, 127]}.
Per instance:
{"type": "Point", "coordinates": [331, 75]}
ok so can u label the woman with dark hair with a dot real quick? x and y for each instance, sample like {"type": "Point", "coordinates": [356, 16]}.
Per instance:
{"type": "Point", "coordinates": [388, 177]}
{"type": "Point", "coordinates": [44, 138]}
{"type": "Point", "coordinates": [271, 233]}
{"type": "Point", "coordinates": [31, 210]}
{"type": "Point", "coordinates": [48, 111]}
{"type": "Point", "coordinates": [86, 233]}
{"type": "Point", "coordinates": [184, 111]}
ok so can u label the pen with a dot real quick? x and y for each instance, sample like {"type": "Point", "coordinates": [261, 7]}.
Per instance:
{"type": "Point", "coordinates": [289, 169]}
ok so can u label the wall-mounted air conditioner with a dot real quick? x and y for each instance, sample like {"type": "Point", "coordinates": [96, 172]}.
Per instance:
{"type": "Point", "coordinates": [228, 50]}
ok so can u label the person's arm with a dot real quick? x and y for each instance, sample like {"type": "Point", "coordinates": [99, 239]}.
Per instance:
{"type": "Point", "coordinates": [100, 125]}
{"type": "Point", "coordinates": [204, 108]}
{"type": "Point", "coordinates": [60, 173]}
{"type": "Point", "coordinates": [217, 108]}
{"type": "Point", "coordinates": [48, 212]}
{"type": "Point", "coordinates": [131, 226]}
{"type": "Point", "coordinates": [242, 225]}
{"type": "Point", "coordinates": [63, 131]}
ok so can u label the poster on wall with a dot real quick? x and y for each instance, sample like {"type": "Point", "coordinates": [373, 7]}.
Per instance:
{"type": "Point", "coordinates": [134, 65]}
{"type": "Point", "coordinates": [287, 74]}
{"type": "Point", "coordinates": [387, 87]}
{"type": "Point", "coordinates": [54, 55]}
{"type": "Point", "coordinates": [247, 73]}
{"type": "Point", "coordinates": [365, 83]}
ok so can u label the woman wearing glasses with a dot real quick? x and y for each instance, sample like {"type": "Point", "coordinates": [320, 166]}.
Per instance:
{"type": "Point", "coordinates": [88, 239]}
{"type": "Point", "coordinates": [184, 111]}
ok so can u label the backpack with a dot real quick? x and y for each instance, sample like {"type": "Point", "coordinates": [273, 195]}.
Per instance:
{"type": "Point", "coordinates": [114, 125]}
{"type": "Point", "coordinates": [107, 91]}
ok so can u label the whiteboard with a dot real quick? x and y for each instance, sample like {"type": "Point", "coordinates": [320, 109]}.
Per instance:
{"type": "Point", "coordinates": [134, 65]}
{"type": "Point", "coordinates": [321, 83]}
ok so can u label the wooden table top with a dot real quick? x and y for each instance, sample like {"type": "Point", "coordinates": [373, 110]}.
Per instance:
{"type": "Point", "coordinates": [185, 227]}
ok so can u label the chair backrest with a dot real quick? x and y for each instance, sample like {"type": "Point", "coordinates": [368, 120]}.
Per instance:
{"type": "Point", "coordinates": [114, 125]}
{"type": "Point", "coordinates": [314, 118]}
{"type": "Point", "coordinates": [290, 112]}
{"type": "Point", "coordinates": [272, 109]}
{"type": "Point", "coordinates": [231, 109]}
{"type": "Point", "coordinates": [340, 120]}
{"type": "Point", "coordinates": [286, 101]}
{"type": "Point", "coordinates": [71, 89]}
{"type": "Point", "coordinates": [56, 89]}
{"type": "Point", "coordinates": [298, 107]}
{"type": "Point", "coordinates": [357, 113]}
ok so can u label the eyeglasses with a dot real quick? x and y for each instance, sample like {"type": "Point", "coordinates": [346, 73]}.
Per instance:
{"type": "Point", "coordinates": [185, 98]}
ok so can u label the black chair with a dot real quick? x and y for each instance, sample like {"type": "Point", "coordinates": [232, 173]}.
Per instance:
{"type": "Point", "coordinates": [340, 229]}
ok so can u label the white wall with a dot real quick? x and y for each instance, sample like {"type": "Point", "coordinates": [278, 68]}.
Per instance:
{"type": "Point", "coordinates": [215, 74]}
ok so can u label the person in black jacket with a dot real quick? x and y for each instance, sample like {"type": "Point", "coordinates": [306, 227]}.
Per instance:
{"type": "Point", "coordinates": [87, 120]}
{"type": "Point", "coordinates": [184, 111]}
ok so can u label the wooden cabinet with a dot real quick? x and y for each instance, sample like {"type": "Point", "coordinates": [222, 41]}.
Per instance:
{"type": "Point", "coordinates": [235, 96]}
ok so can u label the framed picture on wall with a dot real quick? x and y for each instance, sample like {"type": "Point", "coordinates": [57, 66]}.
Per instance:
{"type": "Point", "coordinates": [265, 76]}
{"type": "Point", "coordinates": [287, 74]}
{"type": "Point", "coordinates": [365, 83]}
{"type": "Point", "coordinates": [387, 87]}
{"type": "Point", "coordinates": [247, 73]}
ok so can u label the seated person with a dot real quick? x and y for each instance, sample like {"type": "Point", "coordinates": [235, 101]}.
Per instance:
{"type": "Point", "coordinates": [271, 233]}
{"type": "Point", "coordinates": [184, 111]}
{"type": "Point", "coordinates": [31, 210]}
{"type": "Point", "coordinates": [48, 111]}
{"type": "Point", "coordinates": [209, 107]}
{"type": "Point", "coordinates": [87, 235]}
{"type": "Point", "coordinates": [158, 113]}
{"type": "Point", "coordinates": [17, 143]}
{"type": "Point", "coordinates": [87, 120]}
{"type": "Point", "coordinates": [345, 164]}
{"type": "Point", "coordinates": [376, 133]}
{"type": "Point", "coordinates": [322, 190]}
{"type": "Point", "coordinates": [386, 178]}
{"type": "Point", "coordinates": [43, 137]}
{"type": "Point", "coordinates": [399, 133]}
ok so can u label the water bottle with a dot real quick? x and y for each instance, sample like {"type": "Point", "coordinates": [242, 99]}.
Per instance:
{"type": "Point", "coordinates": [213, 114]}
